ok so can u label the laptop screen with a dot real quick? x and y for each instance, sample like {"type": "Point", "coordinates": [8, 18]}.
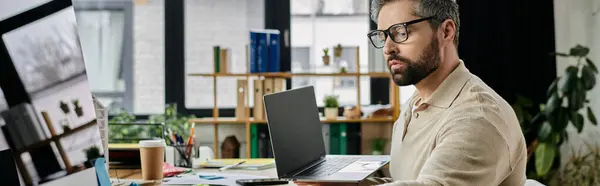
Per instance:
{"type": "Point", "coordinates": [295, 128]}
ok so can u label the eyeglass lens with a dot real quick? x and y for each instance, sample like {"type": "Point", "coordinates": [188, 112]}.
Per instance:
{"type": "Point", "coordinates": [398, 32]}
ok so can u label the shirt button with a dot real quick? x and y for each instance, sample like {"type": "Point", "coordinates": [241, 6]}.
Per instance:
{"type": "Point", "coordinates": [416, 115]}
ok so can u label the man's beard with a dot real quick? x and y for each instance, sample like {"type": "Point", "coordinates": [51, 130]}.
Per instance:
{"type": "Point", "coordinates": [428, 62]}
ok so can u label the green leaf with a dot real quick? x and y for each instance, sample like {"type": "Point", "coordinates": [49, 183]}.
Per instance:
{"type": "Point", "coordinates": [588, 78]}
{"type": "Point", "coordinates": [545, 131]}
{"type": "Point", "coordinates": [561, 54]}
{"type": "Point", "coordinates": [577, 96]}
{"type": "Point", "coordinates": [577, 120]}
{"type": "Point", "coordinates": [555, 138]}
{"type": "Point", "coordinates": [544, 157]}
{"type": "Point", "coordinates": [552, 104]}
{"type": "Point", "coordinates": [552, 88]}
{"type": "Point", "coordinates": [579, 50]}
{"type": "Point", "coordinates": [569, 80]}
{"type": "Point", "coordinates": [591, 64]}
{"type": "Point", "coordinates": [560, 119]}
{"type": "Point", "coordinates": [591, 116]}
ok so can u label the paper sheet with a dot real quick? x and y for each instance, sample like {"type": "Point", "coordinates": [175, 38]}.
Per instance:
{"type": "Point", "coordinates": [229, 178]}
{"type": "Point", "coordinates": [362, 166]}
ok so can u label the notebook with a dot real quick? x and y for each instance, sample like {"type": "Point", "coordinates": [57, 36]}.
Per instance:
{"type": "Point", "coordinates": [250, 164]}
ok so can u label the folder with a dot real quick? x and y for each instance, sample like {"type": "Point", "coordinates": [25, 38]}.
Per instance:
{"type": "Point", "coordinates": [240, 112]}
{"type": "Point", "coordinates": [258, 110]}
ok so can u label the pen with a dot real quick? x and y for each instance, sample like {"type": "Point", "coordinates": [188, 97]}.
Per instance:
{"type": "Point", "coordinates": [231, 166]}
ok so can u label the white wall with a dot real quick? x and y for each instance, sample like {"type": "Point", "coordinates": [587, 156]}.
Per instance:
{"type": "Point", "coordinates": [576, 24]}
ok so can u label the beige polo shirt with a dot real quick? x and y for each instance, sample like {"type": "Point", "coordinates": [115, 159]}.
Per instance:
{"type": "Point", "coordinates": [463, 134]}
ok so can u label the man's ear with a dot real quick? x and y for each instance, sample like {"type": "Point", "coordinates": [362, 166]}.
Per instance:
{"type": "Point", "coordinates": [448, 30]}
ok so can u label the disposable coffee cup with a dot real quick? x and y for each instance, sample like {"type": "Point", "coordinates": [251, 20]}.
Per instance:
{"type": "Point", "coordinates": [152, 154]}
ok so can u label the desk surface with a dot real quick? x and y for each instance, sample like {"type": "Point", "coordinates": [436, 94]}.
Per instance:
{"type": "Point", "coordinates": [136, 174]}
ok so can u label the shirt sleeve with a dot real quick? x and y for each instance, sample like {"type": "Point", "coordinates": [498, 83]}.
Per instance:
{"type": "Point", "coordinates": [468, 151]}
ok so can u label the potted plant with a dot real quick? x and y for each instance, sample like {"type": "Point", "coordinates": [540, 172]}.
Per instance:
{"type": "Point", "coordinates": [326, 56]}
{"type": "Point", "coordinates": [178, 123]}
{"type": "Point", "coordinates": [337, 51]}
{"type": "Point", "coordinates": [331, 106]}
{"type": "Point", "coordinates": [545, 130]}
{"type": "Point", "coordinates": [91, 154]}
{"type": "Point", "coordinates": [64, 107]}
{"type": "Point", "coordinates": [343, 70]}
{"type": "Point", "coordinates": [78, 108]}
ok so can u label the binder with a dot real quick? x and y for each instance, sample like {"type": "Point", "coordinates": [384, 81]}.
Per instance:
{"type": "Point", "coordinates": [240, 112]}
{"type": "Point", "coordinates": [353, 139]}
{"type": "Point", "coordinates": [261, 52]}
{"type": "Point", "coordinates": [334, 138]}
{"type": "Point", "coordinates": [258, 111]}
{"type": "Point", "coordinates": [217, 58]}
{"type": "Point", "coordinates": [263, 149]}
{"type": "Point", "coordinates": [252, 51]}
{"type": "Point", "coordinates": [268, 86]}
{"type": "Point", "coordinates": [224, 60]}
{"type": "Point", "coordinates": [253, 141]}
{"type": "Point", "coordinates": [326, 137]}
{"type": "Point", "coordinates": [343, 139]}
{"type": "Point", "coordinates": [273, 52]}
{"type": "Point", "coordinates": [279, 85]}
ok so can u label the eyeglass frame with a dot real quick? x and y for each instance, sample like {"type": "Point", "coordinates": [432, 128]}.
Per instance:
{"type": "Point", "coordinates": [388, 33]}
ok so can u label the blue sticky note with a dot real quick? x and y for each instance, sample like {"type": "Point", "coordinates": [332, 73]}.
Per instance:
{"type": "Point", "coordinates": [211, 177]}
{"type": "Point", "coordinates": [102, 173]}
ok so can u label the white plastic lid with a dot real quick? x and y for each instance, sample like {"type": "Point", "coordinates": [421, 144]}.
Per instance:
{"type": "Point", "coordinates": [152, 143]}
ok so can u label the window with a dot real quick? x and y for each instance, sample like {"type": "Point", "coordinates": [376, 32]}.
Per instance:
{"type": "Point", "coordinates": [124, 62]}
{"type": "Point", "coordinates": [226, 24]}
{"type": "Point", "coordinates": [320, 24]}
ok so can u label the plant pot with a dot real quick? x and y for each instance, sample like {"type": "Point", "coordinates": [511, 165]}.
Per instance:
{"type": "Point", "coordinates": [326, 60]}
{"type": "Point", "coordinates": [79, 111]}
{"type": "Point", "coordinates": [331, 113]}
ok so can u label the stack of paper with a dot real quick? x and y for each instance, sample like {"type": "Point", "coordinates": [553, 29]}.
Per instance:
{"type": "Point", "coordinates": [249, 164]}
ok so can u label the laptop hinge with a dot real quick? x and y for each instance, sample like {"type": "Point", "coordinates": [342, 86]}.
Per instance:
{"type": "Point", "coordinates": [310, 165]}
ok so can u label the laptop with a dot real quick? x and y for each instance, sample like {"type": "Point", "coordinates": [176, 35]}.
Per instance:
{"type": "Point", "coordinates": [298, 145]}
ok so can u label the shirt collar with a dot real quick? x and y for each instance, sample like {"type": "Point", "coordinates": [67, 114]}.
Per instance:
{"type": "Point", "coordinates": [448, 91]}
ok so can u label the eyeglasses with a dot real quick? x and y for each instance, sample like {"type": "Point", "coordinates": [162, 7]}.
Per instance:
{"type": "Point", "coordinates": [398, 33]}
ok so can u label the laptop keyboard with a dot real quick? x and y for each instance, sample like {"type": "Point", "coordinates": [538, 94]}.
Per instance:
{"type": "Point", "coordinates": [329, 166]}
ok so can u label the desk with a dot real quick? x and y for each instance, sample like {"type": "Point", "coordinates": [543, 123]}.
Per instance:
{"type": "Point", "coordinates": [136, 174]}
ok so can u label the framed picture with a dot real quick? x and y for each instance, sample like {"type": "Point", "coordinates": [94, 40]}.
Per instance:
{"type": "Point", "coordinates": [44, 71]}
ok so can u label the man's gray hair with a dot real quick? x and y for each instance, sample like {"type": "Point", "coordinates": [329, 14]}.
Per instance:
{"type": "Point", "coordinates": [439, 9]}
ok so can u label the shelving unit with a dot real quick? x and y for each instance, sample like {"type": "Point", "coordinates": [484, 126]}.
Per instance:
{"type": "Point", "coordinates": [247, 121]}
{"type": "Point", "coordinates": [54, 138]}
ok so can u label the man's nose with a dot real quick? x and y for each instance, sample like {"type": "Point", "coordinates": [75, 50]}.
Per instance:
{"type": "Point", "coordinates": [389, 47]}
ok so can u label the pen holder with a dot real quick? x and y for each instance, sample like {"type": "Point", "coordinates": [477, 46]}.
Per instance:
{"type": "Point", "coordinates": [181, 155]}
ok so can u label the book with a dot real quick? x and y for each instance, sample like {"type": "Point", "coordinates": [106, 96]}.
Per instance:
{"type": "Point", "coordinates": [250, 164]}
